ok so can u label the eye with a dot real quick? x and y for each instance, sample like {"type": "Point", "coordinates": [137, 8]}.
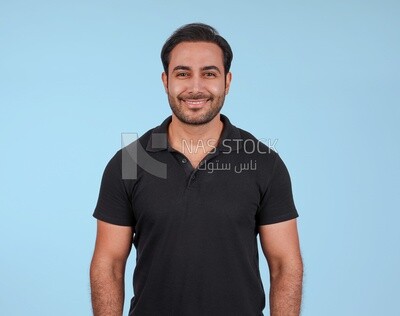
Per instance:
{"type": "Point", "coordinates": [182, 74]}
{"type": "Point", "coordinates": [210, 75]}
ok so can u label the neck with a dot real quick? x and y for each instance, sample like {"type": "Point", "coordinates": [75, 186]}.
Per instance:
{"type": "Point", "coordinates": [187, 138]}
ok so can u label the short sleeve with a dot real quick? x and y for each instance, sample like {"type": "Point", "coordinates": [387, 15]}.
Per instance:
{"type": "Point", "coordinates": [277, 203]}
{"type": "Point", "coordinates": [113, 204]}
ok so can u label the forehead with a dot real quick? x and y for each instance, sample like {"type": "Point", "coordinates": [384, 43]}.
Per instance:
{"type": "Point", "coordinates": [197, 54]}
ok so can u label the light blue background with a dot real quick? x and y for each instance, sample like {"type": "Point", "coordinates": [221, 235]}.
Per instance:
{"type": "Point", "coordinates": [320, 76]}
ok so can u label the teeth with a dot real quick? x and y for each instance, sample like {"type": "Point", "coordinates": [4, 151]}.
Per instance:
{"type": "Point", "coordinates": [196, 102]}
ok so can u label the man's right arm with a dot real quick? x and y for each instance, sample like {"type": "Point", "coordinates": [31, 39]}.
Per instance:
{"type": "Point", "coordinates": [107, 269]}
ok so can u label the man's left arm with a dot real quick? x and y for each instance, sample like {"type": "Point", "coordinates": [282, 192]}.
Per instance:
{"type": "Point", "coordinates": [280, 244]}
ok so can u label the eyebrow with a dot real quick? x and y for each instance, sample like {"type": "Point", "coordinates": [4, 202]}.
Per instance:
{"type": "Point", "coordinates": [181, 67]}
{"type": "Point", "coordinates": [211, 68]}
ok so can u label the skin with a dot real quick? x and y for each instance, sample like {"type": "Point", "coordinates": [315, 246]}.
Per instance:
{"type": "Point", "coordinates": [281, 248]}
{"type": "Point", "coordinates": [196, 85]}
{"type": "Point", "coordinates": [107, 269]}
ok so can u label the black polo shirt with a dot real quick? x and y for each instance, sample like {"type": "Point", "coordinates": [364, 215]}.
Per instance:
{"type": "Point", "coordinates": [195, 229]}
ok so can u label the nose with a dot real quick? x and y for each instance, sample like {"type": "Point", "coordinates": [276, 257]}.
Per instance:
{"type": "Point", "coordinates": [196, 85]}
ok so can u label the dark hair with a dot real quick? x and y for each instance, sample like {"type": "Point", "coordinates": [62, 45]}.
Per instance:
{"type": "Point", "coordinates": [196, 32]}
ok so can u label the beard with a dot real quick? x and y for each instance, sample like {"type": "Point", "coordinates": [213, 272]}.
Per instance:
{"type": "Point", "coordinates": [198, 116]}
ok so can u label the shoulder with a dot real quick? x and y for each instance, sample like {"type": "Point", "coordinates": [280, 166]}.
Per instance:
{"type": "Point", "coordinates": [124, 164]}
{"type": "Point", "coordinates": [130, 143]}
{"type": "Point", "coordinates": [257, 148]}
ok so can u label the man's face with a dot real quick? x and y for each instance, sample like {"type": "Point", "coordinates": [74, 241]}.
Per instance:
{"type": "Point", "coordinates": [196, 83]}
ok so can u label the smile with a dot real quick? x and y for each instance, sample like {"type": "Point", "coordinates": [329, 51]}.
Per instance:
{"type": "Point", "coordinates": [196, 103]}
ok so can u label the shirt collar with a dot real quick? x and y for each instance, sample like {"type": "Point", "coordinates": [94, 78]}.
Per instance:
{"type": "Point", "coordinates": [230, 137]}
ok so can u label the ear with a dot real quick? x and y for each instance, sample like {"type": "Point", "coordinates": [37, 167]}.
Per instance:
{"type": "Point", "coordinates": [228, 80]}
{"type": "Point", "coordinates": [164, 79]}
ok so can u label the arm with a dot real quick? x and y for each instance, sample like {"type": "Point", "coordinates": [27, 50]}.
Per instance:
{"type": "Point", "coordinates": [280, 244]}
{"type": "Point", "coordinates": [107, 269]}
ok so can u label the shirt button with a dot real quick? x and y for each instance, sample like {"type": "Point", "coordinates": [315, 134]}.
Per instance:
{"type": "Point", "coordinates": [184, 160]}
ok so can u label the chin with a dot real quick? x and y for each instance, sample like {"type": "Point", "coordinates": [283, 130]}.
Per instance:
{"type": "Point", "coordinates": [196, 120]}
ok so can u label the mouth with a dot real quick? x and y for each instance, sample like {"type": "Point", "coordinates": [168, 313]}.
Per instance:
{"type": "Point", "coordinates": [195, 103]}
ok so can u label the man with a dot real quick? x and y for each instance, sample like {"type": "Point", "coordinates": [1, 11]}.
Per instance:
{"type": "Point", "coordinates": [195, 226]}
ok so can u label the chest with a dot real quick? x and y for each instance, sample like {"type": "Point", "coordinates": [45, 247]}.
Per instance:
{"type": "Point", "coordinates": [200, 200]}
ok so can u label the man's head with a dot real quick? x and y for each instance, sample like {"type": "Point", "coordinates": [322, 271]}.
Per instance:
{"type": "Point", "coordinates": [196, 62]}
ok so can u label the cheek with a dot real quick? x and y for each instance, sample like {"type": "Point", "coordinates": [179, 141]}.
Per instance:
{"type": "Point", "coordinates": [217, 89]}
{"type": "Point", "coordinates": [175, 89]}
